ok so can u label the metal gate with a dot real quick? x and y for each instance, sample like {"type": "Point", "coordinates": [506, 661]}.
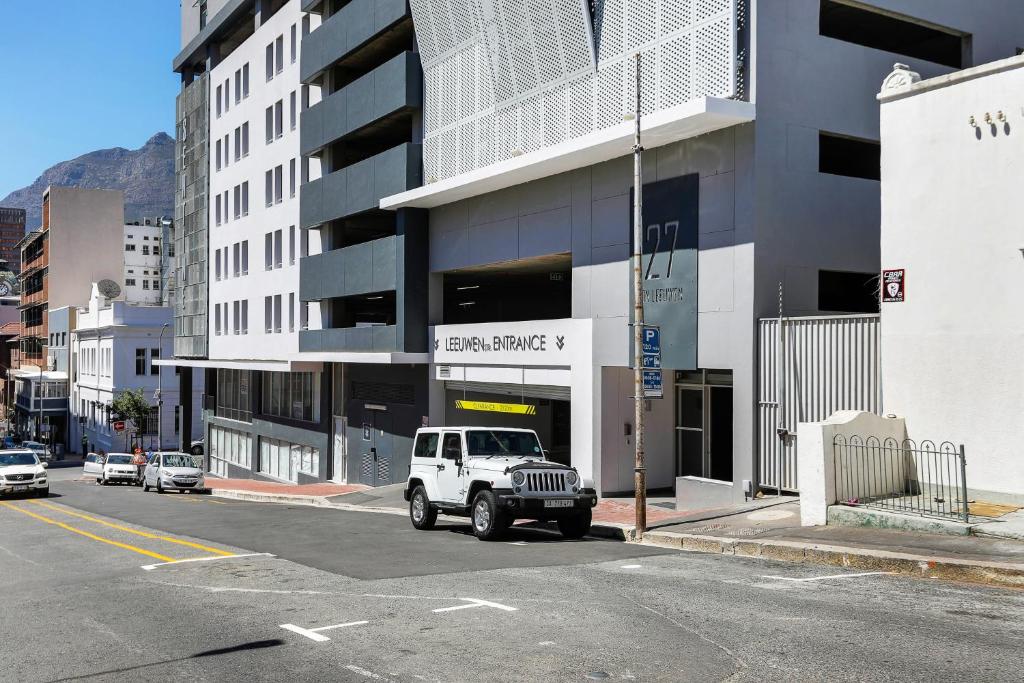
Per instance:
{"type": "Point", "coordinates": [375, 464]}
{"type": "Point", "coordinates": [808, 368]}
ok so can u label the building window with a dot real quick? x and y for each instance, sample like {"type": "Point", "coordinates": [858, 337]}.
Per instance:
{"type": "Point", "coordinates": [154, 355]}
{"type": "Point", "coordinates": [891, 32]}
{"type": "Point", "coordinates": [129, 282]}
{"type": "Point", "coordinates": [202, 15]}
{"type": "Point", "coordinates": [268, 251]}
{"type": "Point", "coordinates": [291, 311]}
{"type": "Point", "coordinates": [238, 143]}
{"type": "Point", "coordinates": [269, 115]}
{"type": "Point", "coordinates": [291, 178]}
{"type": "Point", "coordinates": [227, 148]}
{"type": "Point", "coordinates": [269, 189]}
{"type": "Point", "coordinates": [845, 292]}
{"type": "Point", "coordinates": [245, 257]}
{"type": "Point", "coordinates": [303, 244]}
{"type": "Point", "coordinates": [268, 314]}
{"type": "Point", "coordinates": [216, 319]}
{"type": "Point", "coordinates": [228, 446]}
{"type": "Point", "coordinates": [277, 314]}
{"type": "Point", "coordinates": [270, 62]}
{"type": "Point", "coordinates": [140, 361]}
{"type": "Point", "coordinates": [294, 44]}
{"type": "Point", "coordinates": [129, 247]}
{"type": "Point", "coordinates": [156, 250]}
{"type": "Point", "coordinates": [279, 118]}
{"type": "Point", "coordinates": [245, 80]}
{"type": "Point", "coordinates": [245, 139]}
{"type": "Point", "coordinates": [245, 316]}
{"type": "Point", "coordinates": [848, 156]}
{"type": "Point", "coordinates": [237, 253]}
{"type": "Point", "coordinates": [227, 95]}
{"type": "Point", "coordinates": [145, 250]}
{"type": "Point", "coordinates": [279, 53]}
{"type": "Point", "coordinates": [284, 460]}
{"type": "Point", "coordinates": [217, 146]}
{"type": "Point", "coordinates": [291, 395]}
{"type": "Point", "coordinates": [232, 401]}
{"type": "Point", "coordinates": [291, 245]}
{"type": "Point", "coordinates": [238, 86]}
{"type": "Point", "coordinates": [237, 309]}
{"type": "Point", "coordinates": [291, 111]}
{"type": "Point", "coordinates": [277, 248]}
{"type": "Point", "coordinates": [145, 284]}
{"type": "Point", "coordinates": [216, 262]}
{"type": "Point", "coordinates": [219, 90]}
{"type": "Point", "coordinates": [278, 184]}
{"type": "Point", "coordinates": [245, 198]}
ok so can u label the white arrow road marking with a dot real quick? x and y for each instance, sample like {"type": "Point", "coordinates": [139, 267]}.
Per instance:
{"type": "Point", "coordinates": [824, 578]}
{"type": "Point", "coordinates": [314, 633]}
{"type": "Point", "coordinates": [473, 602]}
{"type": "Point", "coordinates": [151, 567]}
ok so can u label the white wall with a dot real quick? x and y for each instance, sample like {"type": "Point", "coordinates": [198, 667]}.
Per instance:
{"type": "Point", "coordinates": [259, 282]}
{"type": "Point", "coordinates": [141, 268]}
{"type": "Point", "coordinates": [951, 208]}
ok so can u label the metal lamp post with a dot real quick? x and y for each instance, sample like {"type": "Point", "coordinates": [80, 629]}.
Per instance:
{"type": "Point", "coordinates": [39, 398]}
{"type": "Point", "coordinates": [160, 395]}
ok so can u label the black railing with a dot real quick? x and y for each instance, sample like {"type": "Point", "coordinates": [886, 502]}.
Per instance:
{"type": "Point", "coordinates": [902, 476]}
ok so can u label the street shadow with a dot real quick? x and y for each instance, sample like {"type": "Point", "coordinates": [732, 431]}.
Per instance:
{"type": "Point", "coordinates": [254, 645]}
{"type": "Point", "coordinates": [531, 534]}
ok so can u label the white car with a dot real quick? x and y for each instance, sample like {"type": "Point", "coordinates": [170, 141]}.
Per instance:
{"type": "Point", "coordinates": [118, 467]}
{"type": "Point", "coordinates": [92, 466]}
{"type": "Point", "coordinates": [494, 476]}
{"type": "Point", "coordinates": [40, 449]}
{"type": "Point", "coordinates": [22, 472]}
{"type": "Point", "coordinates": [172, 472]}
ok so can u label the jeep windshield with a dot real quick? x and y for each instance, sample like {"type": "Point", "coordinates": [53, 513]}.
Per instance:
{"type": "Point", "coordinates": [500, 442]}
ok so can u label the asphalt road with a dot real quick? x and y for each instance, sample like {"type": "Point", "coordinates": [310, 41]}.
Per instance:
{"type": "Point", "coordinates": [366, 598]}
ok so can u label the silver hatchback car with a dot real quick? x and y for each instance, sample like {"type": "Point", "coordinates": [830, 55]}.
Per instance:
{"type": "Point", "coordinates": [173, 472]}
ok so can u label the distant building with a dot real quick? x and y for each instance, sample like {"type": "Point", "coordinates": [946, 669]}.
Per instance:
{"type": "Point", "coordinates": [80, 242]}
{"type": "Point", "coordinates": [12, 230]}
{"type": "Point", "coordinates": [9, 333]}
{"type": "Point", "coordinates": [113, 348]}
{"type": "Point", "coordinates": [144, 260]}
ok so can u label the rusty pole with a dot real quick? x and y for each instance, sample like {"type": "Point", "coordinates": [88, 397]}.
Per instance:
{"type": "Point", "coordinates": [640, 470]}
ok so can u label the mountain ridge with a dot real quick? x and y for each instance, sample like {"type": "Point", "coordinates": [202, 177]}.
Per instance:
{"type": "Point", "coordinates": [145, 175]}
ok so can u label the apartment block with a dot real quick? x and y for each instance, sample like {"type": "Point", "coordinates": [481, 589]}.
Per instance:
{"type": "Point", "coordinates": [144, 277]}
{"type": "Point", "coordinates": [12, 230]}
{"type": "Point", "coordinates": [444, 189]}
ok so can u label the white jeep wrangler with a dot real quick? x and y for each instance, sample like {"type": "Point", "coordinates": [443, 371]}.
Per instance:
{"type": "Point", "coordinates": [494, 476]}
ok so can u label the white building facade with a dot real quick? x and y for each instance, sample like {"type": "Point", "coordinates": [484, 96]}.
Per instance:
{"type": "Point", "coordinates": [114, 348]}
{"type": "Point", "coordinates": [143, 276]}
{"type": "Point", "coordinates": [953, 265]}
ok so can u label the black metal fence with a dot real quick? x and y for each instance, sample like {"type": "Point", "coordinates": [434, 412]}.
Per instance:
{"type": "Point", "coordinates": [902, 476]}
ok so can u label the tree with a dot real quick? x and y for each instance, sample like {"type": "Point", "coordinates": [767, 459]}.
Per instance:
{"type": "Point", "coordinates": [131, 406]}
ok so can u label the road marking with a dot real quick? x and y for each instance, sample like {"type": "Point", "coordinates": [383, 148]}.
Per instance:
{"type": "Point", "coordinates": [314, 633]}
{"type": "Point", "coordinates": [473, 602]}
{"type": "Point", "coordinates": [630, 566]}
{"type": "Point", "coordinates": [824, 578]}
{"type": "Point", "coordinates": [101, 539]}
{"type": "Point", "coordinates": [363, 672]}
{"type": "Point", "coordinates": [151, 567]}
{"type": "Point", "coordinates": [517, 543]}
{"type": "Point", "coordinates": [144, 534]}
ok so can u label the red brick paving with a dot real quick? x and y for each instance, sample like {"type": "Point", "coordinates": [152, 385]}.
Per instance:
{"type": "Point", "coordinates": [256, 486]}
{"type": "Point", "coordinates": [623, 512]}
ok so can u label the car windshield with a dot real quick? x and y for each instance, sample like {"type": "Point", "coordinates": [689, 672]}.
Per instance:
{"type": "Point", "coordinates": [18, 459]}
{"type": "Point", "coordinates": [178, 460]}
{"type": "Point", "coordinates": [503, 442]}
{"type": "Point", "coordinates": [119, 460]}
{"type": "Point", "coordinates": [34, 446]}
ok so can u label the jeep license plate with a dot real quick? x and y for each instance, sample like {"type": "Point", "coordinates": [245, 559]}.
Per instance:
{"type": "Point", "coordinates": [558, 503]}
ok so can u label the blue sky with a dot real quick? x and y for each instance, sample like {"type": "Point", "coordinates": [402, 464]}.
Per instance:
{"type": "Point", "coordinates": [79, 75]}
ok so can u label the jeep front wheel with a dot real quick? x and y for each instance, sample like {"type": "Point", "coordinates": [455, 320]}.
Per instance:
{"type": "Point", "coordinates": [488, 522]}
{"type": "Point", "coordinates": [422, 515]}
{"type": "Point", "coordinates": [576, 526]}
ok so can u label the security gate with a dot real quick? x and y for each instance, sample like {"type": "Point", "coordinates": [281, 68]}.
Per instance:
{"type": "Point", "coordinates": [808, 368]}
{"type": "Point", "coordinates": [377, 449]}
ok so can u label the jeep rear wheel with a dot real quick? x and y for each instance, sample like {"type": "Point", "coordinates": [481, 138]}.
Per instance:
{"type": "Point", "coordinates": [576, 526]}
{"type": "Point", "coordinates": [488, 522]}
{"type": "Point", "coordinates": [422, 515]}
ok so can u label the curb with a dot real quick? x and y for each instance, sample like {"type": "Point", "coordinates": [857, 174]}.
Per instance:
{"type": "Point", "coordinates": [294, 499]}
{"type": "Point", "coordinates": [1004, 574]}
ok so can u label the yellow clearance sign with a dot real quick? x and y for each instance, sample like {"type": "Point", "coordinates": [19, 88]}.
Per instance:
{"type": "Point", "coordinates": [489, 407]}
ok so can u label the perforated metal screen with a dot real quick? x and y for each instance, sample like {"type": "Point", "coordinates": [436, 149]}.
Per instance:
{"type": "Point", "coordinates": [507, 77]}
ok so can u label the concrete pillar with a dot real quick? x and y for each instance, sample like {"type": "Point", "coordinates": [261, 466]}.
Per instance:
{"type": "Point", "coordinates": [185, 410]}
{"type": "Point", "coordinates": [585, 407]}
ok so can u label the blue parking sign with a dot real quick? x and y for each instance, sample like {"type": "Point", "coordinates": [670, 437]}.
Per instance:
{"type": "Point", "coordinates": [651, 337]}
{"type": "Point", "coordinates": [652, 384]}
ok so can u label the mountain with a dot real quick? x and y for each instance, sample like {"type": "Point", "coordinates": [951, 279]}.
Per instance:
{"type": "Point", "coordinates": [146, 175]}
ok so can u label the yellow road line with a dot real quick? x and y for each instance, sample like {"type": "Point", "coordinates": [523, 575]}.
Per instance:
{"type": "Point", "coordinates": [144, 534]}
{"type": "Point", "coordinates": [94, 537]}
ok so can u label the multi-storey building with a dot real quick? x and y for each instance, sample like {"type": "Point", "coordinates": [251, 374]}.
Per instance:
{"type": "Point", "coordinates": [464, 185]}
{"type": "Point", "coordinates": [12, 230]}
{"type": "Point", "coordinates": [114, 346]}
{"type": "Point", "coordinates": [144, 260]}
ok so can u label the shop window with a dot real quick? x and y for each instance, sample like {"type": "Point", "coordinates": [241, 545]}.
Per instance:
{"type": "Point", "coordinates": [291, 395]}
{"type": "Point", "coordinates": [233, 395]}
{"type": "Point", "coordinates": [848, 156]}
{"type": "Point", "coordinates": [843, 292]}
{"type": "Point", "coordinates": [903, 35]}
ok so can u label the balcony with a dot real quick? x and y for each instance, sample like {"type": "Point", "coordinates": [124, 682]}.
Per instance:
{"type": "Point", "coordinates": [380, 338]}
{"type": "Point", "coordinates": [355, 24]}
{"type": "Point", "coordinates": [360, 269]}
{"type": "Point", "coordinates": [361, 186]}
{"type": "Point", "coordinates": [389, 90]}
{"type": "Point", "coordinates": [40, 296]}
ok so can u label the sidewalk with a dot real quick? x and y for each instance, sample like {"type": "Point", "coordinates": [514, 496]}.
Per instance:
{"type": "Point", "coordinates": [273, 492]}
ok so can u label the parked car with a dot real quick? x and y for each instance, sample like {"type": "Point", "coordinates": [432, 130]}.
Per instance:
{"type": "Point", "coordinates": [22, 472]}
{"type": "Point", "coordinates": [173, 472]}
{"type": "Point", "coordinates": [118, 467]}
{"type": "Point", "coordinates": [40, 449]}
{"type": "Point", "coordinates": [494, 476]}
{"type": "Point", "coordinates": [92, 466]}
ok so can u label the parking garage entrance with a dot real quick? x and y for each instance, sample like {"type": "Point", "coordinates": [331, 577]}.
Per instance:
{"type": "Point", "coordinates": [544, 409]}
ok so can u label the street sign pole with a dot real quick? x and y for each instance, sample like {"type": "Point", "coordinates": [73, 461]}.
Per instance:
{"type": "Point", "coordinates": [640, 470]}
